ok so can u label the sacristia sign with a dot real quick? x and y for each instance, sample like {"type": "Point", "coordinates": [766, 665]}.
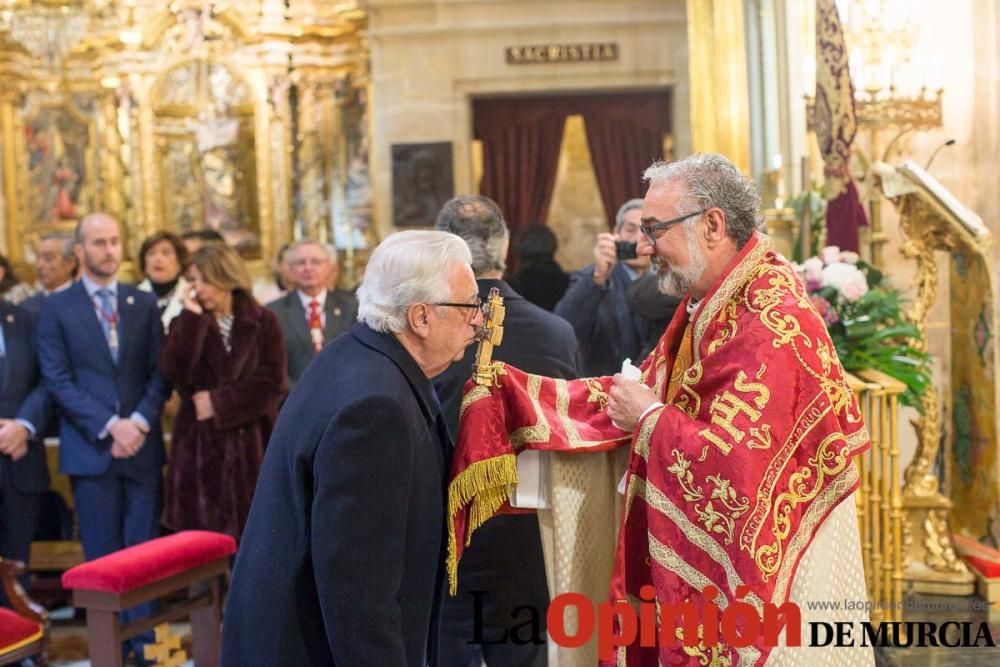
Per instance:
{"type": "Point", "coordinates": [561, 53]}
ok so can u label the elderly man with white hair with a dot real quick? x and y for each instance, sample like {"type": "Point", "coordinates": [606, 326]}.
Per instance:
{"type": "Point", "coordinates": [341, 562]}
{"type": "Point", "coordinates": [315, 312]}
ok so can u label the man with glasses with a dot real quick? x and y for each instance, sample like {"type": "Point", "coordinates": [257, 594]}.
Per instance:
{"type": "Point", "coordinates": [741, 431]}
{"type": "Point", "coordinates": [312, 315]}
{"type": "Point", "coordinates": [596, 302]}
{"type": "Point", "coordinates": [341, 561]}
{"type": "Point", "coordinates": [506, 563]}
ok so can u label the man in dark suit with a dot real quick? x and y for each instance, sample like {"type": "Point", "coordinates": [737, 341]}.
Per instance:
{"type": "Point", "coordinates": [98, 344]}
{"type": "Point", "coordinates": [312, 315]}
{"type": "Point", "coordinates": [596, 303]}
{"type": "Point", "coordinates": [342, 558]}
{"type": "Point", "coordinates": [55, 265]}
{"type": "Point", "coordinates": [505, 561]}
{"type": "Point", "coordinates": [24, 412]}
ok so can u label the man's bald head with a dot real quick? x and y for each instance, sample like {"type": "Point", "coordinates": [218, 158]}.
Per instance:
{"type": "Point", "coordinates": [98, 246]}
{"type": "Point", "coordinates": [90, 221]}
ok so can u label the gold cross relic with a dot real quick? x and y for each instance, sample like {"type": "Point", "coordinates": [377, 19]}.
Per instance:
{"type": "Point", "coordinates": [486, 371]}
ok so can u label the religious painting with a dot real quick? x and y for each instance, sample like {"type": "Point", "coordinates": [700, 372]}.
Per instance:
{"type": "Point", "coordinates": [57, 140]}
{"type": "Point", "coordinates": [206, 156]}
{"type": "Point", "coordinates": [422, 182]}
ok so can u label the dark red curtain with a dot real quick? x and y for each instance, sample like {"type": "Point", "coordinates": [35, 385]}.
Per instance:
{"type": "Point", "coordinates": [625, 136]}
{"type": "Point", "coordinates": [521, 139]}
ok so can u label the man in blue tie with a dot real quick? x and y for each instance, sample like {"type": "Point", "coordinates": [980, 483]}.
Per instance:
{"type": "Point", "coordinates": [98, 344]}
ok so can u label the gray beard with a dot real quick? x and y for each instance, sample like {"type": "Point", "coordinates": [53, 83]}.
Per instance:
{"type": "Point", "coordinates": [678, 282]}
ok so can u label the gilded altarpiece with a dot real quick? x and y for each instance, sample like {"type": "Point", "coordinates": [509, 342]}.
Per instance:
{"type": "Point", "coordinates": [966, 421]}
{"type": "Point", "coordinates": [50, 129]}
{"type": "Point", "coordinates": [186, 116]}
{"type": "Point", "coordinates": [205, 153]}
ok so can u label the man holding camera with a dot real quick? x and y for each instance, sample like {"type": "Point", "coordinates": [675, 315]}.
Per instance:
{"type": "Point", "coordinates": [596, 302]}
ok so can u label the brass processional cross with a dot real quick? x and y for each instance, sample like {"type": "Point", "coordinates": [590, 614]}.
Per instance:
{"type": "Point", "coordinates": [486, 371]}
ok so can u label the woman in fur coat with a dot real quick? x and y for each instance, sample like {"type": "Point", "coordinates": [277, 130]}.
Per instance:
{"type": "Point", "coordinates": [226, 357]}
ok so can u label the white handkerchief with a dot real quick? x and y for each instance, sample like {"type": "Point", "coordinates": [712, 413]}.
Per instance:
{"type": "Point", "coordinates": [532, 481]}
{"type": "Point", "coordinates": [630, 371]}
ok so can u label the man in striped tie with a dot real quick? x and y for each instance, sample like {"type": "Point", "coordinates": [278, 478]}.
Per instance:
{"type": "Point", "coordinates": [98, 344]}
{"type": "Point", "coordinates": [315, 313]}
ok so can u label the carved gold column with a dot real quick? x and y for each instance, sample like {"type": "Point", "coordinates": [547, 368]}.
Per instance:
{"type": "Point", "coordinates": [350, 212]}
{"type": "Point", "coordinates": [114, 196]}
{"type": "Point", "coordinates": [339, 215]}
{"type": "Point", "coordinates": [279, 84]}
{"type": "Point", "coordinates": [13, 60]}
{"type": "Point", "coordinates": [930, 562]}
{"type": "Point", "coordinates": [314, 94]}
{"type": "Point", "coordinates": [327, 148]}
{"type": "Point", "coordinates": [149, 212]}
{"type": "Point", "coordinates": [717, 68]}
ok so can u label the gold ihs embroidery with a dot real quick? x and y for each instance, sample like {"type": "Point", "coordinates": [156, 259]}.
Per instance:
{"type": "Point", "coordinates": [743, 385]}
{"type": "Point", "coordinates": [728, 406]}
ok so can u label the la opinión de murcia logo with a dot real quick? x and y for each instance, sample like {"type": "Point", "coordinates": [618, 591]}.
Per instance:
{"type": "Point", "coordinates": [738, 625]}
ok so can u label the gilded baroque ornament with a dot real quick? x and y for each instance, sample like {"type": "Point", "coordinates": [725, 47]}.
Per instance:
{"type": "Point", "coordinates": [249, 120]}
{"type": "Point", "coordinates": [930, 562]}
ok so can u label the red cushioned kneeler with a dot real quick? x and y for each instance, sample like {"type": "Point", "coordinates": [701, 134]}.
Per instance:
{"type": "Point", "coordinates": [149, 571]}
{"type": "Point", "coordinates": [16, 631]}
{"type": "Point", "coordinates": [985, 564]}
{"type": "Point", "coordinates": [145, 563]}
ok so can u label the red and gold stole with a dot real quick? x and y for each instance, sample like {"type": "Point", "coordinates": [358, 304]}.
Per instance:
{"type": "Point", "coordinates": [727, 483]}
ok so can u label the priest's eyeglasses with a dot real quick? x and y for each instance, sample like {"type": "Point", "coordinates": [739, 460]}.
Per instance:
{"type": "Point", "coordinates": [652, 228]}
{"type": "Point", "coordinates": [475, 305]}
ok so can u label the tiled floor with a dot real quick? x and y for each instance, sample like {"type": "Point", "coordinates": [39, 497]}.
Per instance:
{"type": "Point", "coordinates": [68, 646]}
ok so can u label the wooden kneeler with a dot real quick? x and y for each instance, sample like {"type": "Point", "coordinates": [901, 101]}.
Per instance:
{"type": "Point", "coordinates": [194, 562]}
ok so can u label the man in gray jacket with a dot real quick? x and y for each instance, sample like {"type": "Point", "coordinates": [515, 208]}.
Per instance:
{"type": "Point", "coordinates": [313, 314]}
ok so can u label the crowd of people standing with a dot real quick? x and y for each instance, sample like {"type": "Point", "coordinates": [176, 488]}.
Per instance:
{"type": "Point", "coordinates": [106, 367]}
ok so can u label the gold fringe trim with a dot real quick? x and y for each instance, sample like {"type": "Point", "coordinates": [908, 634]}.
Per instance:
{"type": "Point", "coordinates": [487, 486]}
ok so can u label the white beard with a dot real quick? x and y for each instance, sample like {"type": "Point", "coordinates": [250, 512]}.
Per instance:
{"type": "Point", "coordinates": [678, 282]}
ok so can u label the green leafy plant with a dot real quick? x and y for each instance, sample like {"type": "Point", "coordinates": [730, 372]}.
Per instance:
{"type": "Point", "coordinates": [863, 313]}
{"type": "Point", "coordinates": [810, 211]}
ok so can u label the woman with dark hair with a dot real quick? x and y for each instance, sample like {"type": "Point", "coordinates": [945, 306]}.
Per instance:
{"type": "Point", "coordinates": [162, 258]}
{"type": "Point", "coordinates": [539, 278]}
{"type": "Point", "coordinates": [226, 357]}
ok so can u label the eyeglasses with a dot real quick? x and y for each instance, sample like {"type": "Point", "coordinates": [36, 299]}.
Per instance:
{"type": "Point", "coordinates": [477, 305]}
{"type": "Point", "coordinates": [311, 261]}
{"type": "Point", "coordinates": [649, 230]}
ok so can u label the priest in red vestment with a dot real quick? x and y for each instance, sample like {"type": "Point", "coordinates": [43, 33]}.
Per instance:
{"type": "Point", "coordinates": [741, 428]}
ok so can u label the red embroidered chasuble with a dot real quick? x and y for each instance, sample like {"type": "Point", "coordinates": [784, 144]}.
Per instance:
{"type": "Point", "coordinates": [727, 484]}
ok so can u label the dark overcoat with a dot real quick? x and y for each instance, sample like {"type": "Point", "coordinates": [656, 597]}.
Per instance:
{"type": "Point", "coordinates": [341, 561]}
